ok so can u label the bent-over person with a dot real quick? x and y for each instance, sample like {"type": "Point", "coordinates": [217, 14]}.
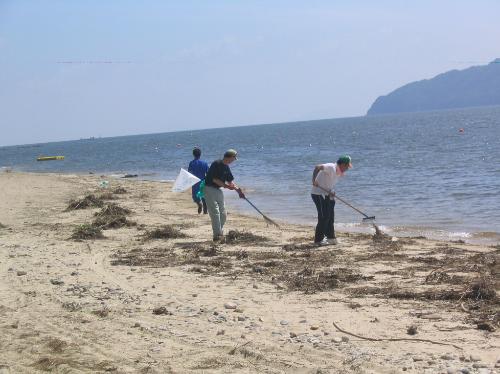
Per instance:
{"type": "Point", "coordinates": [219, 176]}
{"type": "Point", "coordinates": [325, 177]}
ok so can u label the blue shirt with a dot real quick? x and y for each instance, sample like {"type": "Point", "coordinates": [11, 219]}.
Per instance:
{"type": "Point", "coordinates": [198, 168]}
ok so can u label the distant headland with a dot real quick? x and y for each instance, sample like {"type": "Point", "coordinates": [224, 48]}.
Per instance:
{"type": "Point", "coordinates": [471, 87]}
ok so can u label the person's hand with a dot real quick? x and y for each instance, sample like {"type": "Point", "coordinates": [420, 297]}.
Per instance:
{"type": "Point", "coordinates": [332, 193]}
{"type": "Point", "coordinates": [231, 186]}
{"type": "Point", "coordinates": [240, 193]}
{"type": "Point", "coordinates": [315, 184]}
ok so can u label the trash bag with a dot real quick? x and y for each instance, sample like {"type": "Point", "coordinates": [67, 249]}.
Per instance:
{"type": "Point", "coordinates": [201, 192]}
{"type": "Point", "coordinates": [184, 180]}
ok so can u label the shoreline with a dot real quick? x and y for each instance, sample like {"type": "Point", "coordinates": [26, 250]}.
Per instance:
{"type": "Point", "coordinates": [488, 238]}
{"type": "Point", "coordinates": [266, 301]}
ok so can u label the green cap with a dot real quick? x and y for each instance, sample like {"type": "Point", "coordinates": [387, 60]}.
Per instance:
{"type": "Point", "coordinates": [345, 159]}
{"type": "Point", "coordinates": [230, 153]}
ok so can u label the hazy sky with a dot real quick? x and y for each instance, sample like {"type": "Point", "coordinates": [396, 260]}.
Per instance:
{"type": "Point", "coordinates": [75, 69]}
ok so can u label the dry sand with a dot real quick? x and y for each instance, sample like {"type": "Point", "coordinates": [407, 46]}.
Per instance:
{"type": "Point", "coordinates": [264, 302]}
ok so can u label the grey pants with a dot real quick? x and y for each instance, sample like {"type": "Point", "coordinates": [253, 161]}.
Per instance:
{"type": "Point", "coordinates": [215, 204]}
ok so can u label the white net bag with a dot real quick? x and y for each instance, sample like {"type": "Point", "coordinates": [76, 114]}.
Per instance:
{"type": "Point", "coordinates": [184, 180]}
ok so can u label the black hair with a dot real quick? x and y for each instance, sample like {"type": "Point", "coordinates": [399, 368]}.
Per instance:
{"type": "Point", "coordinates": [196, 152]}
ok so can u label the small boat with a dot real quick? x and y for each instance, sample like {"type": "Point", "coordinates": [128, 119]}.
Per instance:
{"type": "Point", "coordinates": [49, 158]}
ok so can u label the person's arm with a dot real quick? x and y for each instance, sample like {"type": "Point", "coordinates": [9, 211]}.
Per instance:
{"type": "Point", "coordinates": [205, 169]}
{"type": "Point", "coordinates": [220, 183]}
{"type": "Point", "coordinates": [317, 169]}
{"type": "Point", "coordinates": [230, 186]}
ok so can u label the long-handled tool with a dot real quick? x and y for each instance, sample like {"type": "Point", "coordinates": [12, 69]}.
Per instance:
{"type": "Point", "coordinates": [267, 219]}
{"type": "Point", "coordinates": [378, 232]}
{"type": "Point", "coordinates": [367, 218]}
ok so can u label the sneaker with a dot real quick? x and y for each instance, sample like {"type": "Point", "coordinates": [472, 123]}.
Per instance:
{"type": "Point", "coordinates": [219, 239]}
{"type": "Point", "coordinates": [332, 241]}
{"type": "Point", "coordinates": [321, 243]}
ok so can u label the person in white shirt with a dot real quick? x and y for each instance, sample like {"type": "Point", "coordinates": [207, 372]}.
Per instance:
{"type": "Point", "coordinates": [325, 176]}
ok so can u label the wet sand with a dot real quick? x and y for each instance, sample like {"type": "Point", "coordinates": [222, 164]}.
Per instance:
{"type": "Point", "coordinates": [155, 295]}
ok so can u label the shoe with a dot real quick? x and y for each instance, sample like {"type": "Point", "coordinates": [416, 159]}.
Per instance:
{"type": "Point", "coordinates": [321, 243]}
{"type": "Point", "coordinates": [332, 241]}
{"type": "Point", "coordinates": [219, 239]}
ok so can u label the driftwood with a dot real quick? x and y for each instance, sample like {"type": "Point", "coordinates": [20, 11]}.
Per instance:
{"type": "Point", "coordinates": [238, 346]}
{"type": "Point", "coordinates": [394, 339]}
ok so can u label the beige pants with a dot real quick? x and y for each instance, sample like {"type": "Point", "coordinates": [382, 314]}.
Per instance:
{"type": "Point", "coordinates": [215, 204]}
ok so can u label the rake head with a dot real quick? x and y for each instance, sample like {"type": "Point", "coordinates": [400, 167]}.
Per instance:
{"type": "Point", "coordinates": [270, 221]}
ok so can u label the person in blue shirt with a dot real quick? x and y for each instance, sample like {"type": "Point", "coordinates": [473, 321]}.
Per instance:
{"type": "Point", "coordinates": [198, 168]}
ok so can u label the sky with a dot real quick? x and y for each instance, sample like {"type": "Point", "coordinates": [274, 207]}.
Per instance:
{"type": "Point", "coordinates": [77, 69]}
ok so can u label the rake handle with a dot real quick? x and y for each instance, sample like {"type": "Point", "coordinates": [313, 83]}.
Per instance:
{"type": "Point", "coordinates": [262, 214]}
{"type": "Point", "coordinates": [345, 202]}
{"type": "Point", "coordinates": [257, 209]}
{"type": "Point", "coordinates": [353, 207]}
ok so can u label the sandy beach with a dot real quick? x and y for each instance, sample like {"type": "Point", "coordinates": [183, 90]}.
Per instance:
{"type": "Point", "coordinates": [155, 295]}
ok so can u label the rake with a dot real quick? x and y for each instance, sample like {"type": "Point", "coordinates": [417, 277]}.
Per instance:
{"type": "Point", "coordinates": [366, 217]}
{"type": "Point", "coordinates": [266, 218]}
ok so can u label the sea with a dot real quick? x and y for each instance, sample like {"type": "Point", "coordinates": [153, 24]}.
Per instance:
{"type": "Point", "coordinates": [434, 174]}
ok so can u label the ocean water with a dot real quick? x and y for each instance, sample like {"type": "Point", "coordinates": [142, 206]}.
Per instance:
{"type": "Point", "coordinates": [418, 173]}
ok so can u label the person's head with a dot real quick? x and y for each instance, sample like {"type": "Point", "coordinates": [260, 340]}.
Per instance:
{"type": "Point", "coordinates": [197, 152]}
{"type": "Point", "coordinates": [229, 156]}
{"type": "Point", "coordinates": [344, 163]}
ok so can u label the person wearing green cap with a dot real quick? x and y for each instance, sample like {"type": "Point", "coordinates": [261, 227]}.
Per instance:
{"type": "Point", "coordinates": [325, 177]}
{"type": "Point", "coordinates": [219, 176]}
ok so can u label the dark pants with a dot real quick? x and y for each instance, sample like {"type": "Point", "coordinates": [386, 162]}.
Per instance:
{"type": "Point", "coordinates": [326, 215]}
{"type": "Point", "coordinates": [201, 203]}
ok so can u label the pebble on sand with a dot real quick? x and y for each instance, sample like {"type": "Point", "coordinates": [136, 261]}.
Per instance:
{"type": "Point", "coordinates": [478, 365]}
{"type": "Point", "coordinates": [230, 305]}
{"type": "Point", "coordinates": [162, 311]}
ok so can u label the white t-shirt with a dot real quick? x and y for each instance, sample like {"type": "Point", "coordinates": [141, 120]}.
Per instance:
{"type": "Point", "coordinates": [326, 178]}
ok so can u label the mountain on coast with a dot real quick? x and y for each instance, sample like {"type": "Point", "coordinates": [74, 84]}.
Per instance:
{"type": "Point", "coordinates": [474, 86]}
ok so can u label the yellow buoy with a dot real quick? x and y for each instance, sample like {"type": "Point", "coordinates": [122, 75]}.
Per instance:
{"type": "Point", "coordinates": [49, 158]}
